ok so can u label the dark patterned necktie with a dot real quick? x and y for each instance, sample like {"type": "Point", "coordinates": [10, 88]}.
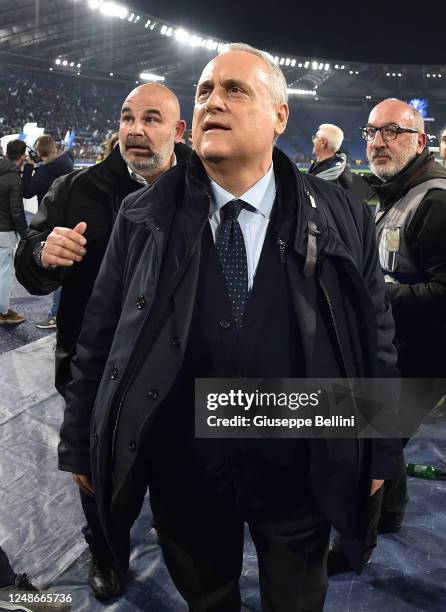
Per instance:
{"type": "Point", "coordinates": [232, 254]}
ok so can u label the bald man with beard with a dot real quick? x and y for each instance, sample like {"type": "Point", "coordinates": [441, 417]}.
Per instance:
{"type": "Point", "coordinates": [411, 228]}
{"type": "Point", "coordinates": [67, 239]}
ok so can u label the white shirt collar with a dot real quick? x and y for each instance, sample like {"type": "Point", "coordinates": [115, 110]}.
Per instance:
{"type": "Point", "coordinates": [140, 179]}
{"type": "Point", "coordinates": [260, 196]}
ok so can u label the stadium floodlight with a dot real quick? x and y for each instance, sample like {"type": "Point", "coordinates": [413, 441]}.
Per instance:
{"type": "Point", "coordinates": [64, 63]}
{"type": "Point", "coordinates": [148, 76]}
{"type": "Point", "coordinates": [58, 61]}
{"type": "Point", "coordinates": [314, 65]}
{"type": "Point", "coordinates": [293, 62]}
{"type": "Point", "coordinates": [181, 35]}
{"type": "Point", "coordinates": [327, 67]}
{"type": "Point", "coordinates": [71, 64]}
{"type": "Point", "coordinates": [211, 44]}
{"type": "Point", "coordinates": [109, 9]}
{"type": "Point", "coordinates": [301, 92]}
{"type": "Point", "coordinates": [307, 63]}
{"type": "Point", "coordinates": [78, 66]}
{"type": "Point", "coordinates": [111, 73]}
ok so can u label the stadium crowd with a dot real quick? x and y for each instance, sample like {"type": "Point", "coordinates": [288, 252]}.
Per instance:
{"type": "Point", "coordinates": [59, 103]}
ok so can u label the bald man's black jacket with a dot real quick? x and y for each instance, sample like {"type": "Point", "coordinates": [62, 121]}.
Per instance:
{"type": "Point", "coordinates": [93, 195]}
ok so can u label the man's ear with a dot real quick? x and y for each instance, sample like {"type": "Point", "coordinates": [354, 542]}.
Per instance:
{"type": "Point", "coordinates": [422, 141]}
{"type": "Point", "coordinates": [180, 128]}
{"type": "Point", "coordinates": [282, 113]}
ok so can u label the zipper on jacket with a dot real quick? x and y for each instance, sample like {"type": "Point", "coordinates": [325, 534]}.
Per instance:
{"type": "Point", "coordinates": [330, 307]}
{"type": "Point", "coordinates": [312, 201]}
{"type": "Point", "coordinates": [281, 244]}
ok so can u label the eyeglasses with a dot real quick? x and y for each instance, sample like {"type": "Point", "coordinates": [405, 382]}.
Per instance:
{"type": "Point", "coordinates": [388, 132]}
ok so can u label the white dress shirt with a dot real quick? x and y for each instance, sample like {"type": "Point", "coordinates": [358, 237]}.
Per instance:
{"type": "Point", "coordinates": [253, 220]}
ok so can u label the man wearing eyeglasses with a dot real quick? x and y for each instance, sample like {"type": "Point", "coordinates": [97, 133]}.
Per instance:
{"type": "Point", "coordinates": [411, 235]}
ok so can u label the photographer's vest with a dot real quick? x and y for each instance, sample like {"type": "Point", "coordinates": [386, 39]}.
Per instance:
{"type": "Point", "coordinates": [391, 231]}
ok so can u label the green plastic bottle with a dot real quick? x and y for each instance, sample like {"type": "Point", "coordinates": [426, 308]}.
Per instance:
{"type": "Point", "coordinates": [425, 471]}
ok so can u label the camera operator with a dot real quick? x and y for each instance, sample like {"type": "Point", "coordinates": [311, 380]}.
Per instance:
{"type": "Point", "coordinates": [37, 179]}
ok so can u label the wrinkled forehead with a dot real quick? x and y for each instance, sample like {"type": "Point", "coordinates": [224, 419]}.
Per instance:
{"type": "Point", "coordinates": [150, 101]}
{"type": "Point", "coordinates": [236, 66]}
{"type": "Point", "coordinates": [384, 114]}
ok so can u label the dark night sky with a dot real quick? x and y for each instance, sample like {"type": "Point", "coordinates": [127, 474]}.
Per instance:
{"type": "Point", "coordinates": [338, 29]}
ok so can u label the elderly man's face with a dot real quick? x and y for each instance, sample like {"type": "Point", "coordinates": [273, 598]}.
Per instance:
{"type": "Point", "coordinates": [149, 127]}
{"type": "Point", "coordinates": [318, 144]}
{"type": "Point", "coordinates": [443, 146]}
{"type": "Point", "coordinates": [234, 117]}
{"type": "Point", "coordinates": [387, 158]}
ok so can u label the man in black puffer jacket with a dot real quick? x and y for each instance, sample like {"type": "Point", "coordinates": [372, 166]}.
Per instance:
{"type": "Point", "coordinates": [411, 227]}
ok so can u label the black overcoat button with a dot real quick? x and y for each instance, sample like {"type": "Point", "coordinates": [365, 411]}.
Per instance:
{"type": "Point", "coordinates": [153, 393]}
{"type": "Point", "coordinates": [140, 302]}
{"type": "Point", "coordinates": [132, 447]}
{"type": "Point", "coordinates": [225, 324]}
{"type": "Point", "coordinates": [176, 343]}
{"type": "Point", "coordinates": [113, 373]}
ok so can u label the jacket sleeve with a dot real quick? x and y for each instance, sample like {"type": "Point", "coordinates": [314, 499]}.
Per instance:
{"type": "Point", "coordinates": [425, 301]}
{"type": "Point", "coordinates": [16, 208]}
{"type": "Point", "coordinates": [95, 340]}
{"type": "Point", "coordinates": [36, 279]}
{"type": "Point", "coordinates": [34, 180]}
{"type": "Point", "coordinates": [386, 452]}
{"type": "Point", "coordinates": [373, 276]}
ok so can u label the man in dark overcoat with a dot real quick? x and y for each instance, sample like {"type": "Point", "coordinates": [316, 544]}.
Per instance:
{"type": "Point", "coordinates": [231, 265]}
{"type": "Point", "coordinates": [67, 238]}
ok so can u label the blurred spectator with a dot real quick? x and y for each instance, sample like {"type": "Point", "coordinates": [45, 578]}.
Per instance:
{"type": "Point", "coordinates": [331, 165]}
{"type": "Point", "coordinates": [107, 146]}
{"type": "Point", "coordinates": [36, 181]}
{"type": "Point", "coordinates": [443, 145]}
{"type": "Point", "coordinates": [12, 222]}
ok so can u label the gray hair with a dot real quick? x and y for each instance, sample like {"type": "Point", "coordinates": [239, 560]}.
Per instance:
{"type": "Point", "coordinates": [332, 134]}
{"type": "Point", "coordinates": [277, 83]}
